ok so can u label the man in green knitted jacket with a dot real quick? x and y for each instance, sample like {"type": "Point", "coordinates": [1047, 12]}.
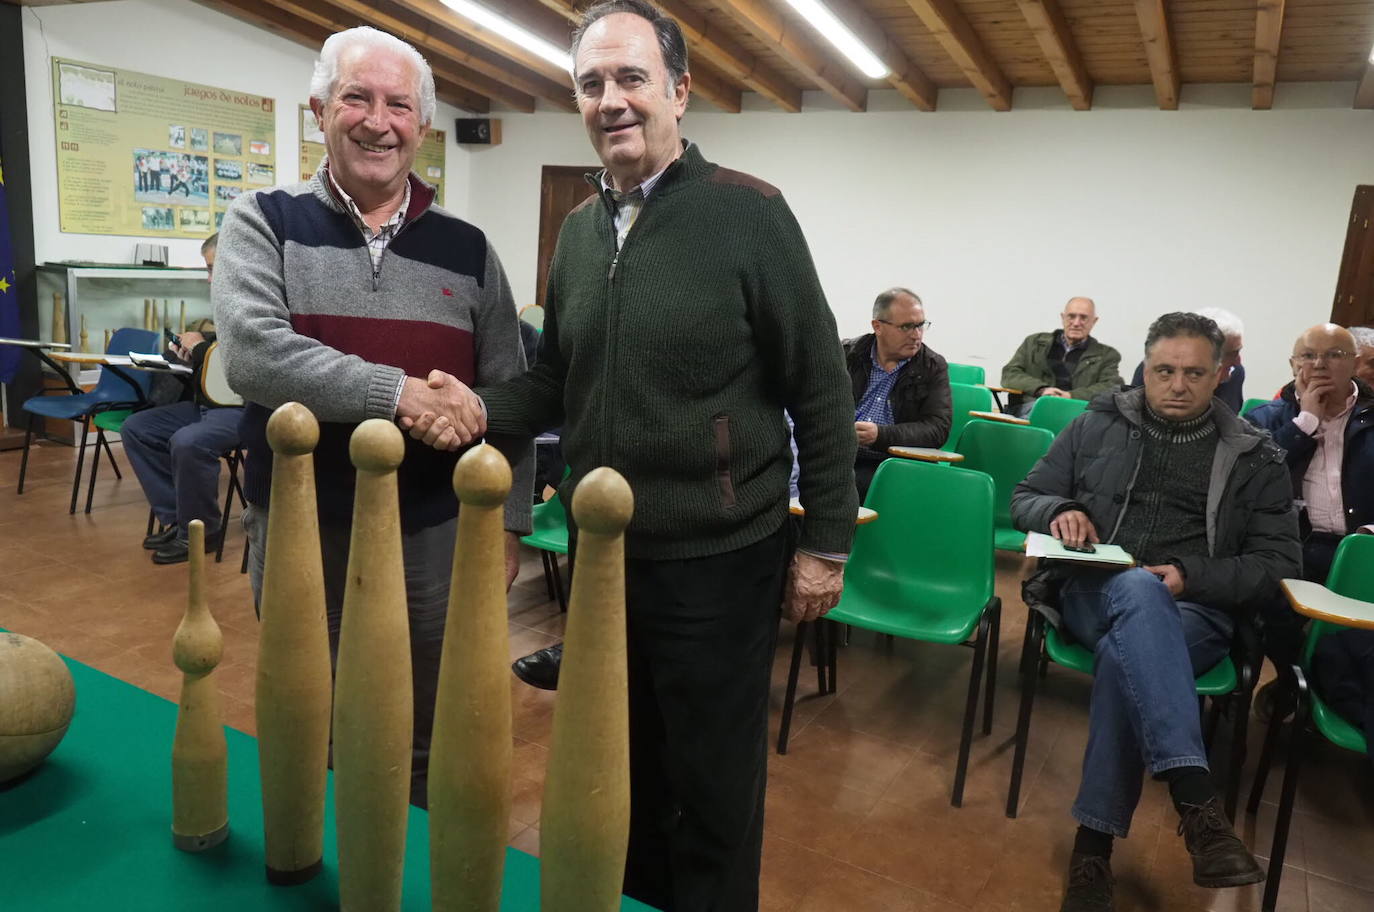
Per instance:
{"type": "Point", "coordinates": [683, 315]}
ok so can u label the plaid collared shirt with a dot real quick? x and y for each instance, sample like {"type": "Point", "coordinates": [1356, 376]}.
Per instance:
{"type": "Point", "coordinates": [378, 240]}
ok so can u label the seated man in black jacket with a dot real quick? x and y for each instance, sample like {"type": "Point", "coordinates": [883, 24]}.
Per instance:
{"type": "Point", "coordinates": [1201, 500]}
{"type": "Point", "coordinates": [901, 387]}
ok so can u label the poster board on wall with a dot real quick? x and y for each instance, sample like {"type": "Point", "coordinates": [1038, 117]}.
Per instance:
{"type": "Point", "coordinates": [141, 155]}
{"type": "Point", "coordinates": [429, 160]}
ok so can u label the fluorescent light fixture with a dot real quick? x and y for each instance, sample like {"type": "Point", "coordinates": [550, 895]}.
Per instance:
{"type": "Point", "coordinates": [838, 34]}
{"type": "Point", "coordinates": [511, 32]}
{"type": "Point", "coordinates": [1371, 55]}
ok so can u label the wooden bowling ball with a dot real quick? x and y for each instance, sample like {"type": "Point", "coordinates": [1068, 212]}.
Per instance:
{"type": "Point", "coordinates": [39, 698]}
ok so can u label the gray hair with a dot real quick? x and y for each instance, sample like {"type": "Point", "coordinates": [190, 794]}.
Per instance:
{"type": "Point", "coordinates": [882, 305]}
{"type": "Point", "coordinates": [1175, 325]}
{"type": "Point", "coordinates": [1227, 322]}
{"type": "Point", "coordinates": [327, 67]}
{"type": "Point", "coordinates": [1364, 337]}
{"type": "Point", "coordinates": [670, 41]}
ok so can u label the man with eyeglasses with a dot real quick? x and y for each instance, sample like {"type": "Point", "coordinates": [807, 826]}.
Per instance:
{"type": "Point", "coordinates": [1068, 362]}
{"type": "Point", "coordinates": [901, 387]}
{"type": "Point", "coordinates": [1324, 420]}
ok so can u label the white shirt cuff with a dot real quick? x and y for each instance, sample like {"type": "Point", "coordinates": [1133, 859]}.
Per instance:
{"type": "Point", "coordinates": [1307, 423]}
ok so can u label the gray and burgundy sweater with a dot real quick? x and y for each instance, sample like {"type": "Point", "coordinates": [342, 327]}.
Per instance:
{"type": "Point", "coordinates": [672, 360]}
{"type": "Point", "coordinates": [302, 318]}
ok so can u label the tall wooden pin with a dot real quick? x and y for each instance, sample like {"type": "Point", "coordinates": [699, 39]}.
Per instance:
{"type": "Point", "coordinates": [585, 823]}
{"type": "Point", "coordinates": [181, 324]}
{"type": "Point", "coordinates": [200, 800]}
{"type": "Point", "coordinates": [373, 697]}
{"type": "Point", "coordinates": [470, 754]}
{"type": "Point", "coordinates": [157, 322]}
{"type": "Point", "coordinates": [293, 683]}
{"type": "Point", "coordinates": [59, 318]}
{"type": "Point", "coordinates": [106, 346]}
{"type": "Point", "coordinates": [147, 313]}
{"type": "Point", "coordinates": [84, 339]}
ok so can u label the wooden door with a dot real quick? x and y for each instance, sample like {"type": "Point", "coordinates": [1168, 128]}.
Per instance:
{"type": "Point", "coordinates": [1354, 302]}
{"type": "Point", "coordinates": [561, 188]}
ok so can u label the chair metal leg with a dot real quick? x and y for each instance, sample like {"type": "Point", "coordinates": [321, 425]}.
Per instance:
{"type": "Point", "coordinates": [80, 462]}
{"type": "Point", "coordinates": [104, 441]}
{"type": "Point", "coordinates": [832, 638]}
{"type": "Point", "coordinates": [95, 467]}
{"type": "Point", "coordinates": [548, 573]}
{"type": "Point", "coordinates": [1235, 763]}
{"type": "Point", "coordinates": [24, 462]}
{"type": "Point", "coordinates": [151, 520]}
{"type": "Point", "coordinates": [558, 584]}
{"type": "Point", "coordinates": [822, 655]}
{"type": "Point", "coordinates": [231, 460]}
{"type": "Point", "coordinates": [1030, 673]}
{"type": "Point", "coordinates": [786, 724]}
{"type": "Point", "coordinates": [1302, 716]}
{"type": "Point", "coordinates": [1209, 726]}
{"type": "Point", "coordinates": [247, 543]}
{"type": "Point", "coordinates": [975, 678]}
{"type": "Point", "coordinates": [994, 634]}
{"type": "Point", "coordinates": [1266, 759]}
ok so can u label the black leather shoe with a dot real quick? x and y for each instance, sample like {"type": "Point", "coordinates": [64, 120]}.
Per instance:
{"type": "Point", "coordinates": [178, 550]}
{"type": "Point", "coordinates": [160, 539]}
{"type": "Point", "coordinates": [540, 669]}
{"type": "Point", "coordinates": [1220, 859]}
{"type": "Point", "coordinates": [1090, 885]}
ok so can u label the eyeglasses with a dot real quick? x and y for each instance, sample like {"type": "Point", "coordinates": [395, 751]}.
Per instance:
{"type": "Point", "coordinates": [908, 327]}
{"type": "Point", "coordinates": [1314, 357]}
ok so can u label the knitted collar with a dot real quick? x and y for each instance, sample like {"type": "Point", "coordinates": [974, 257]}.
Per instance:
{"type": "Point", "coordinates": [1161, 428]}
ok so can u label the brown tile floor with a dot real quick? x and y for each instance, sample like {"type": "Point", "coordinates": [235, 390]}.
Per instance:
{"type": "Point", "coordinates": [858, 810]}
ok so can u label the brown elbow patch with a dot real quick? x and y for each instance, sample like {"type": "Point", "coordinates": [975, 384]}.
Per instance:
{"type": "Point", "coordinates": [739, 178]}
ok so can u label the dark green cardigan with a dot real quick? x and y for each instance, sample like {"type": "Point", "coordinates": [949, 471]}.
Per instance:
{"type": "Point", "coordinates": [672, 362]}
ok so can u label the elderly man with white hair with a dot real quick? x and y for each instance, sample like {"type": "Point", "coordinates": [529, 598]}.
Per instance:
{"type": "Point", "coordinates": [1364, 353]}
{"type": "Point", "coordinates": [344, 293]}
{"type": "Point", "coordinates": [1232, 371]}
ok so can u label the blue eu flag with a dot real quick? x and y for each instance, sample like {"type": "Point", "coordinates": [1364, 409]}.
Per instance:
{"type": "Point", "coordinates": [9, 294]}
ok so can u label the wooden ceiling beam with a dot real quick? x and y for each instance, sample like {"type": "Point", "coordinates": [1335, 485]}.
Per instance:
{"type": "Point", "coordinates": [435, 11]}
{"type": "Point", "coordinates": [716, 89]}
{"type": "Point", "coordinates": [1268, 31]}
{"type": "Point", "coordinates": [272, 18]}
{"type": "Point", "coordinates": [949, 26]}
{"type": "Point", "coordinates": [768, 25]}
{"type": "Point", "coordinates": [1159, 51]}
{"type": "Point", "coordinates": [505, 80]}
{"type": "Point", "coordinates": [1051, 31]}
{"type": "Point", "coordinates": [903, 75]}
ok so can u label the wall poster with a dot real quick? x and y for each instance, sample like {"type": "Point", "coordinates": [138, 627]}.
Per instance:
{"type": "Point", "coordinates": [429, 161]}
{"type": "Point", "coordinates": [151, 157]}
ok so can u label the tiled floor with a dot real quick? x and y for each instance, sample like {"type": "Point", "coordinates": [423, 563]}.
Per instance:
{"type": "Point", "coordinates": [858, 813]}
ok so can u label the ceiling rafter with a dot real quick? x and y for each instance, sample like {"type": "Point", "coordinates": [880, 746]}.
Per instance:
{"type": "Point", "coordinates": [436, 12]}
{"type": "Point", "coordinates": [903, 75]}
{"type": "Point", "coordinates": [1159, 51]}
{"type": "Point", "coordinates": [820, 66]}
{"type": "Point", "coordinates": [712, 43]}
{"type": "Point", "coordinates": [947, 23]}
{"type": "Point", "coordinates": [1052, 33]}
{"type": "Point", "coordinates": [1364, 92]}
{"type": "Point", "coordinates": [507, 79]}
{"type": "Point", "coordinates": [272, 18]}
{"type": "Point", "coordinates": [1268, 32]}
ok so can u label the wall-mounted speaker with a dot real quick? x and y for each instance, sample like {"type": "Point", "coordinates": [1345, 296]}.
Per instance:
{"type": "Point", "coordinates": [477, 131]}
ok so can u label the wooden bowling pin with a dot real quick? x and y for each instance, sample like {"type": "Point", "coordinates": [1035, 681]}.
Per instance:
{"type": "Point", "coordinates": [59, 318]}
{"type": "Point", "coordinates": [166, 315]}
{"type": "Point", "coordinates": [293, 680]}
{"type": "Point", "coordinates": [470, 753]}
{"type": "Point", "coordinates": [200, 801]}
{"type": "Point", "coordinates": [157, 321]}
{"type": "Point", "coordinates": [84, 339]}
{"type": "Point", "coordinates": [181, 323]}
{"type": "Point", "coordinates": [373, 696]}
{"type": "Point", "coordinates": [585, 825]}
{"type": "Point", "coordinates": [106, 347]}
{"type": "Point", "coordinates": [147, 313]}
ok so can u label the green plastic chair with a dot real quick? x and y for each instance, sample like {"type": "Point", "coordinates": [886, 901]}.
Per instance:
{"type": "Point", "coordinates": [965, 398]}
{"type": "Point", "coordinates": [910, 577]}
{"type": "Point", "coordinates": [1352, 575]}
{"type": "Point", "coordinates": [1234, 676]}
{"type": "Point", "coordinates": [549, 535]}
{"type": "Point", "coordinates": [971, 374]}
{"type": "Point", "coordinates": [1007, 452]}
{"type": "Point", "coordinates": [1249, 404]}
{"type": "Point", "coordinates": [1053, 413]}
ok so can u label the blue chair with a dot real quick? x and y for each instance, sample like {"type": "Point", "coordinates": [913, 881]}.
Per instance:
{"type": "Point", "coordinates": [116, 389]}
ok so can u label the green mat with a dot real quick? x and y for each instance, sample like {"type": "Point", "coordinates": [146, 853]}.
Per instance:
{"type": "Point", "coordinates": [91, 828]}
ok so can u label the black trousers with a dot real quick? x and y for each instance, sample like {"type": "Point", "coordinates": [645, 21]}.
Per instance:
{"type": "Point", "coordinates": [702, 633]}
{"type": "Point", "coordinates": [1283, 629]}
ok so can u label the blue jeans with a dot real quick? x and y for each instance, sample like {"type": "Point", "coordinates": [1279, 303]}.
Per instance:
{"type": "Point", "coordinates": [175, 451]}
{"type": "Point", "coordinates": [1148, 649]}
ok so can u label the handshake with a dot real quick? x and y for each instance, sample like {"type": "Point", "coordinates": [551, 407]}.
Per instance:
{"type": "Point", "coordinates": [440, 411]}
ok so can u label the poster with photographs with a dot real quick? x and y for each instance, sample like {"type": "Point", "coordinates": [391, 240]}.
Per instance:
{"type": "Point", "coordinates": [145, 156]}
{"type": "Point", "coordinates": [429, 160]}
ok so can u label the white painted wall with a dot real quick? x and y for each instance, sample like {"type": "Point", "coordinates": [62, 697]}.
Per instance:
{"type": "Point", "coordinates": [997, 219]}
{"type": "Point", "coordinates": [175, 39]}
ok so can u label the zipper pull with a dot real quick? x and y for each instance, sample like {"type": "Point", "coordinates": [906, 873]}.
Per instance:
{"type": "Point", "coordinates": [610, 276]}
